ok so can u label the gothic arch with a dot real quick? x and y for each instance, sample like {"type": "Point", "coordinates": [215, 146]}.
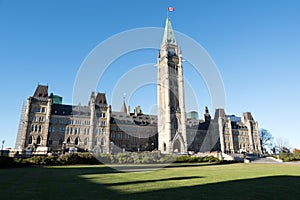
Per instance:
{"type": "Point", "coordinates": [39, 140]}
{"type": "Point", "coordinates": [76, 142]}
{"type": "Point", "coordinates": [178, 143]}
{"type": "Point", "coordinates": [176, 146]}
{"type": "Point", "coordinates": [30, 140]}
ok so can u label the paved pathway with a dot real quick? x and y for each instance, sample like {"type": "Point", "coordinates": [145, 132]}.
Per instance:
{"type": "Point", "coordinates": [264, 160]}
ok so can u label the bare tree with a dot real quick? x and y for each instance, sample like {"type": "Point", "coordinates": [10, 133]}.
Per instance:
{"type": "Point", "coordinates": [266, 140]}
{"type": "Point", "coordinates": [283, 145]}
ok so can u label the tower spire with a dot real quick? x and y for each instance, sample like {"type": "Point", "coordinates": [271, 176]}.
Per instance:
{"type": "Point", "coordinates": [169, 37]}
{"type": "Point", "coordinates": [124, 109]}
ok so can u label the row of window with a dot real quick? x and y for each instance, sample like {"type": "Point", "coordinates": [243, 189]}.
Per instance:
{"type": "Point", "coordinates": [36, 128]}
{"type": "Point", "coordinates": [66, 121]}
{"type": "Point", "coordinates": [60, 130]}
{"type": "Point", "coordinates": [132, 129]}
{"type": "Point", "coordinates": [100, 131]}
{"type": "Point", "coordinates": [120, 136]}
{"type": "Point", "coordinates": [75, 122]}
{"type": "Point", "coordinates": [38, 109]}
{"type": "Point", "coordinates": [38, 140]}
{"type": "Point", "coordinates": [76, 130]}
{"type": "Point", "coordinates": [102, 115]}
{"type": "Point", "coordinates": [102, 123]}
{"type": "Point", "coordinates": [38, 119]}
{"type": "Point", "coordinates": [86, 140]}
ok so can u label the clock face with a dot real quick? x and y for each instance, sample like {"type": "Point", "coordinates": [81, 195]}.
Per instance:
{"type": "Point", "coordinates": [171, 51]}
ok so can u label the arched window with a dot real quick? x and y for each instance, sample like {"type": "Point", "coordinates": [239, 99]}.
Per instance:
{"type": "Point", "coordinates": [38, 140]}
{"type": "Point", "coordinates": [35, 128]}
{"type": "Point", "coordinates": [76, 141]}
{"type": "Point", "coordinates": [68, 140]}
{"type": "Point", "coordinates": [40, 128]}
{"type": "Point", "coordinates": [30, 140]}
{"type": "Point", "coordinates": [32, 127]}
{"type": "Point", "coordinates": [102, 141]}
{"type": "Point", "coordinates": [165, 147]}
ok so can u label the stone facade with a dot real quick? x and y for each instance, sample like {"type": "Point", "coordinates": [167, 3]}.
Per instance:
{"type": "Point", "coordinates": [95, 127]}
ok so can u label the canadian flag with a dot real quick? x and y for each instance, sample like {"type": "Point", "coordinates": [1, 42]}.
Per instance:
{"type": "Point", "coordinates": [171, 9]}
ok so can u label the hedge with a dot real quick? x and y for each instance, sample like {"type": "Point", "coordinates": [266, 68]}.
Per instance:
{"type": "Point", "coordinates": [88, 158]}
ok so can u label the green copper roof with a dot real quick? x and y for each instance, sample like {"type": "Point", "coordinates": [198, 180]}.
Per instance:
{"type": "Point", "coordinates": [169, 36]}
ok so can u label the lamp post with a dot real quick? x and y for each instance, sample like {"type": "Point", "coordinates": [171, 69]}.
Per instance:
{"type": "Point", "coordinates": [64, 148]}
{"type": "Point", "coordinates": [3, 141]}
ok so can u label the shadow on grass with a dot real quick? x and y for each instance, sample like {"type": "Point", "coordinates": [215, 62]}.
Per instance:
{"type": "Point", "coordinates": [272, 187]}
{"type": "Point", "coordinates": [68, 183]}
{"type": "Point", "coordinates": [155, 180]}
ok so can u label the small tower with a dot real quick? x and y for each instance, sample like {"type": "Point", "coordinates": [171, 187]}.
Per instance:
{"type": "Point", "coordinates": [207, 116]}
{"type": "Point", "coordinates": [171, 109]}
{"type": "Point", "coordinates": [123, 108]}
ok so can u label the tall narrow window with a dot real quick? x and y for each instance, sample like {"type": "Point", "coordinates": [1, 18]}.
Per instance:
{"type": "Point", "coordinates": [76, 141]}
{"type": "Point", "coordinates": [86, 141]}
{"type": "Point", "coordinates": [68, 140]}
{"type": "Point", "coordinates": [30, 140]}
{"type": "Point", "coordinates": [38, 140]}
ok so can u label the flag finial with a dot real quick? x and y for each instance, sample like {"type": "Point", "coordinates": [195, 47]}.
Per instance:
{"type": "Point", "coordinates": [170, 9]}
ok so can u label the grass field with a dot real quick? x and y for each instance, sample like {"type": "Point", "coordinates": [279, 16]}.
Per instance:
{"type": "Point", "coordinates": [234, 181]}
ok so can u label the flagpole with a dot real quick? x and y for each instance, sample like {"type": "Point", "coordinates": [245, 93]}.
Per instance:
{"type": "Point", "coordinates": [168, 13]}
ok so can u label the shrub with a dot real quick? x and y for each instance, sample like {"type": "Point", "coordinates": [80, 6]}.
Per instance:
{"type": "Point", "coordinates": [183, 159]}
{"type": "Point", "coordinates": [210, 159]}
{"type": "Point", "coordinates": [40, 160]}
{"type": "Point", "coordinates": [77, 158]}
{"type": "Point", "coordinates": [286, 157]}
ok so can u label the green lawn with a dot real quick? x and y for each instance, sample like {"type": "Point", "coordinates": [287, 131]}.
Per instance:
{"type": "Point", "coordinates": [235, 181]}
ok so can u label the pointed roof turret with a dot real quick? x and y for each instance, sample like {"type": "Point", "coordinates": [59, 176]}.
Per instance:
{"type": "Point", "coordinates": [169, 37]}
{"type": "Point", "coordinates": [124, 109]}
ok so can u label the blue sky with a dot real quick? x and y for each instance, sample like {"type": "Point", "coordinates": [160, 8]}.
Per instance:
{"type": "Point", "coordinates": [255, 45]}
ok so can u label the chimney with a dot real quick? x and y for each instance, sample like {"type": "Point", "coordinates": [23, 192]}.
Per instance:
{"type": "Point", "coordinates": [128, 111]}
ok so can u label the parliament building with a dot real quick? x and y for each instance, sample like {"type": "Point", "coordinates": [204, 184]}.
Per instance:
{"type": "Point", "coordinates": [47, 122]}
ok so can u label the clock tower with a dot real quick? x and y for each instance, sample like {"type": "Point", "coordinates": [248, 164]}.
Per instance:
{"type": "Point", "coordinates": [171, 110]}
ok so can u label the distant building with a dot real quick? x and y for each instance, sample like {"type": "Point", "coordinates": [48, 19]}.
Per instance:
{"type": "Point", "coordinates": [192, 115]}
